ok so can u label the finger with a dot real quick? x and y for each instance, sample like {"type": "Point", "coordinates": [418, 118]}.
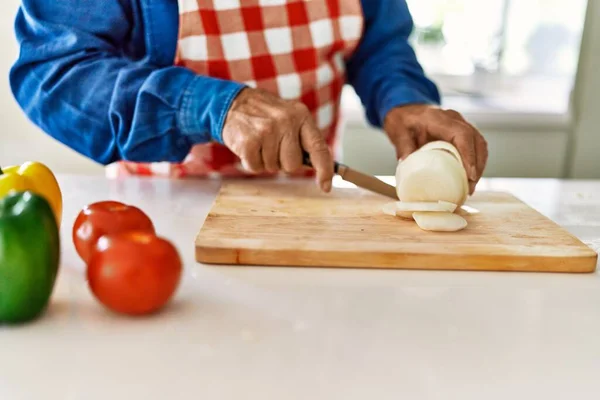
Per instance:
{"type": "Point", "coordinates": [456, 115]}
{"type": "Point", "coordinates": [482, 157]}
{"type": "Point", "coordinates": [404, 142]}
{"type": "Point", "coordinates": [290, 153]}
{"type": "Point", "coordinates": [472, 186]}
{"type": "Point", "coordinates": [320, 156]}
{"type": "Point", "coordinates": [270, 154]}
{"type": "Point", "coordinates": [482, 154]}
{"type": "Point", "coordinates": [252, 166]}
{"type": "Point", "coordinates": [252, 159]}
{"type": "Point", "coordinates": [460, 135]}
{"type": "Point", "coordinates": [465, 143]}
{"type": "Point", "coordinates": [481, 149]}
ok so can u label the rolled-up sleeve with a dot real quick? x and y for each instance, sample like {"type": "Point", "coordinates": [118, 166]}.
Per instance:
{"type": "Point", "coordinates": [384, 69]}
{"type": "Point", "coordinates": [73, 79]}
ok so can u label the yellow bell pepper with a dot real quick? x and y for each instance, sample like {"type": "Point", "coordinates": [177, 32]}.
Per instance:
{"type": "Point", "coordinates": [35, 177]}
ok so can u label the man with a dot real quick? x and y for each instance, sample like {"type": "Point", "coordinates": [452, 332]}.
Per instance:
{"type": "Point", "coordinates": [225, 87]}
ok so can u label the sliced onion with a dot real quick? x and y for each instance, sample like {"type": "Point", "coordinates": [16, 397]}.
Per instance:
{"type": "Point", "coordinates": [431, 176]}
{"type": "Point", "coordinates": [389, 209]}
{"type": "Point", "coordinates": [439, 221]}
{"type": "Point", "coordinates": [469, 210]}
{"type": "Point", "coordinates": [432, 184]}
{"type": "Point", "coordinates": [406, 209]}
{"type": "Point", "coordinates": [440, 206]}
{"type": "Point", "coordinates": [442, 145]}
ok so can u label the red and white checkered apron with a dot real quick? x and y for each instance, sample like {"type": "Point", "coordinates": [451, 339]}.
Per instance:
{"type": "Point", "coordinates": [293, 48]}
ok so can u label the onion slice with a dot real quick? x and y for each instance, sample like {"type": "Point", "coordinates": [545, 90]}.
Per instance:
{"type": "Point", "coordinates": [440, 206]}
{"type": "Point", "coordinates": [405, 209]}
{"type": "Point", "coordinates": [439, 221]}
{"type": "Point", "coordinates": [389, 209]}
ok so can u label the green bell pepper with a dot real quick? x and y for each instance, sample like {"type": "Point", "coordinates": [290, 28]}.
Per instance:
{"type": "Point", "coordinates": [29, 256]}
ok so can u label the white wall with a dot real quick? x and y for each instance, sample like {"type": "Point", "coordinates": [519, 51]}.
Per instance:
{"type": "Point", "coordinates": [513, 153]}
{"type": "Point", "coordinates": [585, 154]}
{"type": "Point", "coordinates": [520, 144]}
{"type": "Point", "coordinates": [20, 140]}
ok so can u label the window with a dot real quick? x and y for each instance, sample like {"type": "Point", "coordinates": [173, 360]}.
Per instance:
{"type": "Point", "coordinates": [495, 47]}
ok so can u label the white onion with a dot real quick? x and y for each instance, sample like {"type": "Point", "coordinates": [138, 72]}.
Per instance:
{"type": "Point", "coordinates": [439, 221]}
{"type": "Point", "coordinates": [431, 184]}
{"type": "Point", "coordinates": [389, 209]}
{"type": "Point", "coordinates": [433, 173]}
{"type": "Point", "coordinates": [406, 209]}
{"type": "Point", "coordinates": [441, 145]}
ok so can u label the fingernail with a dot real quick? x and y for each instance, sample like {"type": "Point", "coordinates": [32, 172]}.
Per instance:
{"type": "Point", "coordinates": [327, 186]}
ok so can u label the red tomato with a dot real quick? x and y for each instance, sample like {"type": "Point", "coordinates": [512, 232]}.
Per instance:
{"type": "Point", "coordinates": [134, 272]}
{"type": "Point", "coordinates": [106, 217]}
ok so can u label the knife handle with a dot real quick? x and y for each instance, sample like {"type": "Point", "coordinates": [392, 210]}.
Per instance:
{"type": "Point", "coordinates": [306, 162]}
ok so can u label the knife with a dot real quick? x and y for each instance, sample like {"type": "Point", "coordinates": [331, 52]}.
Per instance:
{"type": "Point", "coordinates": [358, 178]}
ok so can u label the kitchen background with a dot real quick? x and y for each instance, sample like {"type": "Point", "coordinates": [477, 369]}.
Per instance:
{"type": "Point", "coordinates": [521, 71]}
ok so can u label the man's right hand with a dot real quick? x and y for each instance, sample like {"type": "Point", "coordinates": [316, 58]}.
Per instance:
{"type": "Point", "coordinates": [268, 134]}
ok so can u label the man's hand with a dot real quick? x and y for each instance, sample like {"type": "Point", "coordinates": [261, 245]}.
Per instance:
{"type": "Point", "coordinates": [268, 134]}
{"type": "Point", "coordinates": [412, 126]}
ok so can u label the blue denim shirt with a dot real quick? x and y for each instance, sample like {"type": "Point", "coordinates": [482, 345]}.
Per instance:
{"type": "Point", "coordinates": [99, 77]}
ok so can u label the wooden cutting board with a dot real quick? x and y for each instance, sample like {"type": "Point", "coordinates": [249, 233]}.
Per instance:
{"type": "Point", "coordinates": [292, 224]}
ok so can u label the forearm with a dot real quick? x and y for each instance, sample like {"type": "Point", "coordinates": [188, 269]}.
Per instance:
{"type": "Point", "coordinates": [77, 87]}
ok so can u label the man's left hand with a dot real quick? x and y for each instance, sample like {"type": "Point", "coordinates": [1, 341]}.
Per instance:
{"type": "Point", "coordinates": [412, 126]}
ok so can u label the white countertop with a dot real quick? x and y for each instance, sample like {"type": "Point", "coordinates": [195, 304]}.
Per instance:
{"type": "Point", "coordinates": [283, 333]}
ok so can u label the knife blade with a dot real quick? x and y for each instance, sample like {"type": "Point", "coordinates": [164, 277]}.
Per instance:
{"type": "Point", "coordinates": [360, 179]}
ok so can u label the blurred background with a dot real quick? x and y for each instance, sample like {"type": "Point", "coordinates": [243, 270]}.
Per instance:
{"type": "Point", "coordinates": [521, 71]}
